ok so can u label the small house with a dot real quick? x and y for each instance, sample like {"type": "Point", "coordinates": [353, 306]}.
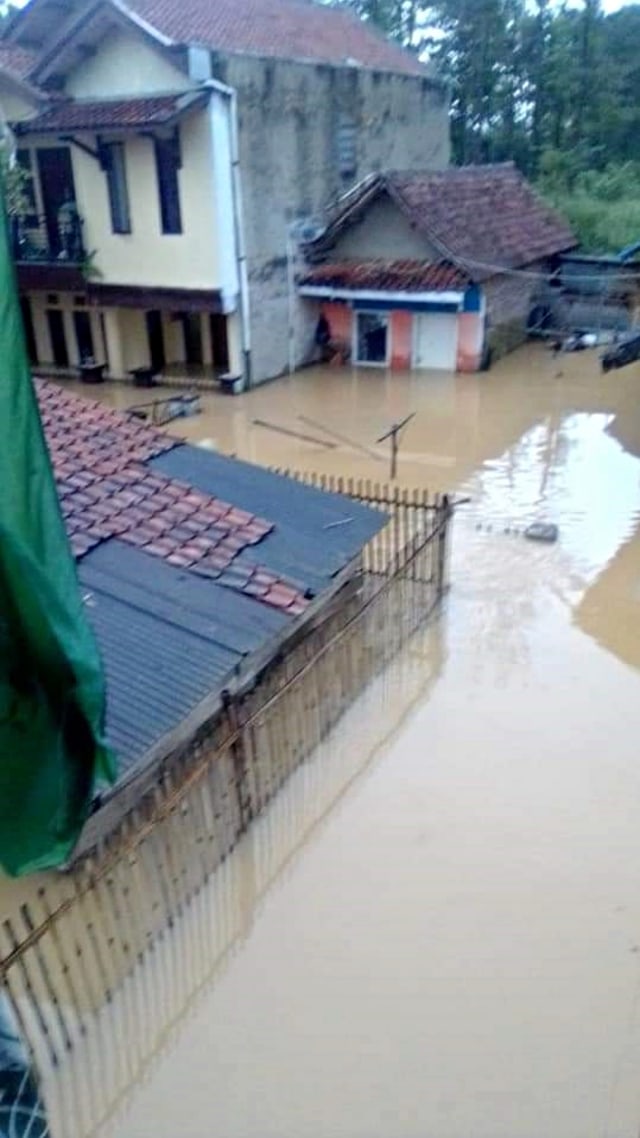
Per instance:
{"type": "Point", "coordinates": [433, 269]}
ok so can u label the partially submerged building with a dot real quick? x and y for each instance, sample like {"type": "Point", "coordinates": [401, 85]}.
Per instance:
{"type": "Point", "coordinates": [176, 154]}
{"type": "Point", "coordinates": [433, 269]}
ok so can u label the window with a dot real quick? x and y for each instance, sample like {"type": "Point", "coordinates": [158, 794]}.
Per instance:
{"type": "Point", "coordinates": [112, 158]}
{"type": "Point", "coordinates": [167, 166]}
{"type": "Point", "coordinates": [372, 338]}
{"type": "Point", "coordinates": [347, 146]}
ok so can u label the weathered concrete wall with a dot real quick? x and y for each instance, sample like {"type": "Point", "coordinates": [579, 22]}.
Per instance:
{"type": "Point", "coordinates": [290, 118]}
{"type": "Point", "coordinates": [383, 232]}
{"type": "Point", "coordinates": [509, 301]}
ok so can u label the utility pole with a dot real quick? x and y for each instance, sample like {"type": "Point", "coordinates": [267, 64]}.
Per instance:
{"type": "Point", "coordinates": [394, 434]}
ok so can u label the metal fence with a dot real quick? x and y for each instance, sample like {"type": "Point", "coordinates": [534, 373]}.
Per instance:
{"type": "Point", "coordinates": [93, 951]}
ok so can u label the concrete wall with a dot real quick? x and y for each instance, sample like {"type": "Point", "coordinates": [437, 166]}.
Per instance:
{"type": "Point", "coordinates": [383, 232]}
{"type": "Point", "coordinates": [125, 65]}
{"type": "Point", "coordinates": [509, 301]}
{"type": "Point", "coordinates": [289, 118]}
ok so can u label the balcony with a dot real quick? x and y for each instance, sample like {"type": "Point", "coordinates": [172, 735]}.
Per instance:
{"type": "Point", "coordinates": [49, 252]}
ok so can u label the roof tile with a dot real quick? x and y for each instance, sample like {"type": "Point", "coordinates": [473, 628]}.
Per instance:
{"type": "Point", "coordinates": [103, 114]}
{"type": "Point", "coordinates": [482, 218]}
{"type": "Point", "coordinates": [112, 497]}
{"type": "Point", "coordinates": [290, 29]}
{"type": "Point", "coordinates": [389, 276]}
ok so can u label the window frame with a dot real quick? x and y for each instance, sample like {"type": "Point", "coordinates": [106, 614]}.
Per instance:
{"type": "Point", "coordinates": [168, 165]}
{"type": "Point", "coordinates": [113, 160]}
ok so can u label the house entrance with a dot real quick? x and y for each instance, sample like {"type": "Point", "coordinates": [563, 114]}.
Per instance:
{"type": "Point", "coordinates": [58, 189]}
{"type": "Point", "coordinates": [372, 338]}
{"type": "Point", "coordinates": [192, 328]}
{"type": "Point", "coordinates": [55, 320]}
{"type": "Point", "coordinates": [29, 330]}
{"type": "Point", "coordinates": [84, 335]}
{"type": "Point", "coordinates": [155, 337]}
{"type": "Point", "coordinates": [219, 341]}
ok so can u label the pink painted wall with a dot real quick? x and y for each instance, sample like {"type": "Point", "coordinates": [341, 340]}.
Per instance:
{"type": "Point", "coordinates": [340, 318]}
{"type": "Point", "coordinates": [401, 340]}
{"type": "Point", "coordinates": [470, 336]}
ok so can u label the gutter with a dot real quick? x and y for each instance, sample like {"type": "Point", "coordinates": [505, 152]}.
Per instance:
{"type": "Point", "coordinates": [230, 94]}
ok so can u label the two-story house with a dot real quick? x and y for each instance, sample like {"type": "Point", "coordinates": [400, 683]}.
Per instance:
{"type": "Point", "coordinates": [175, 157]}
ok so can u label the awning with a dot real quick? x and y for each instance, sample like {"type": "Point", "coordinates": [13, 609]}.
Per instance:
{"type": "Point", "coordinates": [128, 115]}
{"type": "Point", "coordinates": [416, 282]}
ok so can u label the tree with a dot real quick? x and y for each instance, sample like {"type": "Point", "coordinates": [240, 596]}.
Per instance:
{"type": "Point", "coordinates": [551, 85]}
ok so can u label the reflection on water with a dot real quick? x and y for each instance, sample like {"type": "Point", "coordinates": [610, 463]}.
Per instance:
{"type": "Point", "coordinates": [454, 951]}
{"type": "Point", "coordinates": [153, 1005]}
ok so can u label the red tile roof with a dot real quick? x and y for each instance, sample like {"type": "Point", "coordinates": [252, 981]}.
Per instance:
{"type": "Point", "coordinates": [106, 114]}
{"type": "Point", "coordinates": [388, 276]}
{"type": "Point", "coordinates": [478, 216]}
{"type": "Point", "coordinates": [291, 29]}
{"type": "Point", "coordinates": [107, 491]}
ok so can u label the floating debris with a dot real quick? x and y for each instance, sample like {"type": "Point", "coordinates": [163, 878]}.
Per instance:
{"type": "Point", "coordinates": [542, 531]}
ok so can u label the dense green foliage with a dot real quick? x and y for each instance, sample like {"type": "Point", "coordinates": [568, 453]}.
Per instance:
{"type": "Point", "coordinates": [555, 86]}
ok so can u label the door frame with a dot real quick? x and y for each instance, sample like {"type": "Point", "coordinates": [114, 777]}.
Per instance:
{"type": "Point", "coordinates": [382, 313]}
{"type": "Point", "coordinates": [56, 316]}
{"type": "Point", "coordinates": [156, 342]}
{"type": "Point", "coordinates": [417, 316]}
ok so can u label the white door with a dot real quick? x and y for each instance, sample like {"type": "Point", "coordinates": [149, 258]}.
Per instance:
{"type": "Point", "coordinates": [435, 340]}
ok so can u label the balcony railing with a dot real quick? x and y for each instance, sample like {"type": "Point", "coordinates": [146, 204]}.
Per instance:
{"type": "Point", "coordinates": [42, 241]}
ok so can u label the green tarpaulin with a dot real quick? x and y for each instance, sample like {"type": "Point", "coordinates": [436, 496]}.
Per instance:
{"type": "Point", "coordinates": [52, 693]}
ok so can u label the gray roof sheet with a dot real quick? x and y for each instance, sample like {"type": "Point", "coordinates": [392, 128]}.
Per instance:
{"type": "Point", "coordinates": [167, 641]}
{"type": "Point", "coordinates": [170, 638]}
{"type": "Point", "coordinates": [308, 547]}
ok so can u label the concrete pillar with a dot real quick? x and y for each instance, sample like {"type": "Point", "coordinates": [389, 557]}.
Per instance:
{"type": "Point", "coordinates": [114, 343]}
{"type": "Point", "coordinates": [205, 328]}
{"type": "Point", "coordinates": [41, 328]}
{"type": "Point", "coordinates": [70, 334]}
{"type": "Point", "coordinates": [234, 339]}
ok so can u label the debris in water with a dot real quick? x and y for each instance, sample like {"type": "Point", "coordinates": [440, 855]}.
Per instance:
{"type": "Point", "coordinates": [542, 531]}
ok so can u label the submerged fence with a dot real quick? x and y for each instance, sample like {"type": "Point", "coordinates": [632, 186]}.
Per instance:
{"type": "Point", "coordinates": [93, 951]}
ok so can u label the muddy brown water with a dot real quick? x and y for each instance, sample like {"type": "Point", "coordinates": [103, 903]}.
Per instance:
{"type": "Point", "coordinates": [435, 930]}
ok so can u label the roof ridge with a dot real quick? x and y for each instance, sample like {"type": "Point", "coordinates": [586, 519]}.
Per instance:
{"type": "Point", "coordinates": [296, 30]}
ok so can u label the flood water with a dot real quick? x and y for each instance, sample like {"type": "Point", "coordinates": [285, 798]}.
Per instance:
{"type": "Point", "coordinates": [435, 928]}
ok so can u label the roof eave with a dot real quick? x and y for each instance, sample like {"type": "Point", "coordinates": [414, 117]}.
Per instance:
{"type": "Point", "coordinates": [393, 296]}
{"type": "Point", "coordinates": [191, 101]}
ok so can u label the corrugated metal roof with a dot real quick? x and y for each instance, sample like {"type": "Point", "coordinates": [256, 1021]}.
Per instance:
{"type": "Point", "coordinates": [171, 638]}
{"type": "Point", "coordinates": [168, 641]}
{"type": "Point", "coordinates": [306, 546]}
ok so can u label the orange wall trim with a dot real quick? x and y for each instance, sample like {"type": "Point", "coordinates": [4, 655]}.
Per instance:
{"type": "Point", "coordinates": [470, 336]}
{"type": "Point", "coordinates": [401, 328]}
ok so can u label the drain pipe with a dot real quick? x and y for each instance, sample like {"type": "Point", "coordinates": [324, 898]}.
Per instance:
{"type": "Point", "coordinates": [230, 95]}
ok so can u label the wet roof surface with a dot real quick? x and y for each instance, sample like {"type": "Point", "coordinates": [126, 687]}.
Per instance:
{"type": "Point", "coordinates": [406, 276]}
{"type": "Point", "coordinates": [103, 114]}
{"type": "Point", "coordinates": [107, 491]}
{"type": "Point", "coordinates": [488, 216]}
{"type": "Point", "coordinates": [167, 641]}
{"type": "Point", "coordinates": [174, 627]}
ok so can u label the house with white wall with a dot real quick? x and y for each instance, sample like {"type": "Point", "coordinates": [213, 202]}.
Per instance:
{"type": "Point", "coordinates": [174, 157]}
